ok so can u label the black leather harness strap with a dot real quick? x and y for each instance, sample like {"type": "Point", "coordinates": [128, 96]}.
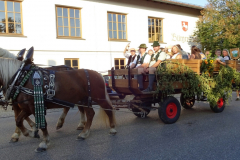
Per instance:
{"type": "Point", "coordinates": [88, 88]}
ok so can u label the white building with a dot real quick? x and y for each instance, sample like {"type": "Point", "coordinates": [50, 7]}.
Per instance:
{"type": "Point", "coordinates": [92, 34]}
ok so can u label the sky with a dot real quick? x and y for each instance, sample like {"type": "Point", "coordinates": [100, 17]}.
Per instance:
{"type": "Point", "coordinates": [196, 2]}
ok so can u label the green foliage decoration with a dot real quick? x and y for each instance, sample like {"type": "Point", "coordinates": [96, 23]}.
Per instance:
{"type": "Point", "coordinates": [213, 85]}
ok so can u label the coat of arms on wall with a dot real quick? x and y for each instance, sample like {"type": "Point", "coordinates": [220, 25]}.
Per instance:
{"type": "Point", "coordinates": [184, 26]}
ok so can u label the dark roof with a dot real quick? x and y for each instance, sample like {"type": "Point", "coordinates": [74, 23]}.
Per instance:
{"type": "Point", "coordinates": [179, 4]}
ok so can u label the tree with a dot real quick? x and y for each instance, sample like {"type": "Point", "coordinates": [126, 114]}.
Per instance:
{"type": "Point", "coordinates": [219, 25]}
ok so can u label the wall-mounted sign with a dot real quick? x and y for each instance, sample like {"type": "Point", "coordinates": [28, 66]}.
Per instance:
{"type": "Point", "coordinates": [182, 39]}
{"type": "Point", "coordinates": [234, 53]}
{"type": "Point", "coordinates": [184, 26]}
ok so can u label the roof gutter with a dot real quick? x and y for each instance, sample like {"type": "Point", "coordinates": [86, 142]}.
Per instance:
{"type": "Point", "coordinates": [178, 4]}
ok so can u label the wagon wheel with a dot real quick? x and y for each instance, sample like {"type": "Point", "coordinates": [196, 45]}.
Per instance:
{"type": "Point", "coordinates": [219, 107]}
{"type": "Point", "coordinates": [169, 110]}
{"type": "Point", "coordinates": [142, 114]}
{"type": "Point", "coordinates": [187, 102]}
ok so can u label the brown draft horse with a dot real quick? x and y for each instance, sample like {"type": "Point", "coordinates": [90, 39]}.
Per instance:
{"type": "Point", "coordinates": [15, 137]}
{"type": "Point", "coordinates": [70, 86]}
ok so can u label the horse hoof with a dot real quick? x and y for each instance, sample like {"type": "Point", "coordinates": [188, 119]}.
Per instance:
{"type": "Point", "coordinates": [80, 138]}
{"type": "Point", "coordinates": [80, 128]}
{"type": "Point", "coordinates": [36, 135]}
{"type": "Point", "coordinates": [112, 133]}
{"type": "Point", "coordinates": [13, 140]}
{"type": "Point", "coordinates": [59, 127]}
{"type": "Point", "coordinates": [38, 150]}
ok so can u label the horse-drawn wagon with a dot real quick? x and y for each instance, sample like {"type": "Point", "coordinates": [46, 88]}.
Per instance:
{"type": "Point", "coordinates": [169, 108]}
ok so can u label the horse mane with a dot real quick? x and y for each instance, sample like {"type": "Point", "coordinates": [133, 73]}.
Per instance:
{"type": "Point", "coordinates": [6, 54]}
{"type": "Point", "coordinates": [8, 67]}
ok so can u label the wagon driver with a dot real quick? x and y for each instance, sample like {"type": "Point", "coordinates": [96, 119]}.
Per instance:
{"type": "Point", "coordinates": [155, 60]}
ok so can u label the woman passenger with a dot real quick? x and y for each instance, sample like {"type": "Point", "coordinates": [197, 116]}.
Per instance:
{"type": "Point", "coordinates": [176, 53]}
{"type": "Point", "coordinates": [226, 55]}
{"type": "Point", "coordinates": [195, 53]}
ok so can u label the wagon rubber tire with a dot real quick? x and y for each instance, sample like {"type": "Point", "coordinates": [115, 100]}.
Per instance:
{"type": "Point", "coordinates": [185, 104]}
{"type": "Point", "coordinates": [169, 110]}
{"type": "Point", "coordinates": [219, 107]}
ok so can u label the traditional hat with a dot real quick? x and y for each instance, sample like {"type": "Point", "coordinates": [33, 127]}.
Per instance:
{"type": "Point", "coordinates": [132, 49]}
{"type": "Point", "coordinates": [155, 44]}
{"type": "Point", "coordinates": [143, 46]}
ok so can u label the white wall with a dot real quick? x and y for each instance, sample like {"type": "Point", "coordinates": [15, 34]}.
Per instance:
{"type": "Point", "coordinates": [95, 52]}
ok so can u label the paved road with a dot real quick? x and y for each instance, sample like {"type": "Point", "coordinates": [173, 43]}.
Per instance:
{"type": "Point", "coordinates": [198, 134]}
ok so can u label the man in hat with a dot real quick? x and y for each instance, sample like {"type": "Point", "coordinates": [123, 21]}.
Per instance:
{"type": "Point", "coordinates": [131, 56]}
{"type": "Point", "coordinates": [155, 60]}
{"type": "Point", "coordinates": [140, 63]}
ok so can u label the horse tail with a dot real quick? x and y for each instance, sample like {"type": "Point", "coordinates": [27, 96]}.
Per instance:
{"type": "Point", "coordinates": [102, 113]}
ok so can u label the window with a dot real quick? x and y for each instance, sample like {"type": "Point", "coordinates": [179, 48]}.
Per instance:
{"type": "Point", "coordinates": [119, 63]}
{"type": "Point", "coordinates": [10, 17]}
{"type": "Point", "coordinates": [72, 62]}
{"type": "Point", "coordinates": [117, 26]}
{"type": "Point", "coordinates": [155, 30]}
{"type": "Point", "coordinates": [68, 22]}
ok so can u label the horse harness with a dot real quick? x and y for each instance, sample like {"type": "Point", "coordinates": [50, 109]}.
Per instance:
{"type": "Point", "coordinates": [43, 81]}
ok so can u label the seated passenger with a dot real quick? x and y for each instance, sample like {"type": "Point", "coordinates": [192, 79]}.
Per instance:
{"type": "Point", "coordinates": [226, 55]}
{"type": "Point", "coordinates": [220, 59]}
{"type": "Point", "coordinates": [176, 52]}
{"type": "Point", "coordinates": [150, 52]}
{"type": "Point", "coordinates": [130, 56]}
{"type": "Point", "coordinates": [141, 63]}
{"type": "Point", "coordinates": [195, 53]}
{"type": "Point", "coordinates": [156, 59]}
{"type": "Point", "coordinates": [184, 54]}
{"type": "Point", "coordinates": [207, 54]}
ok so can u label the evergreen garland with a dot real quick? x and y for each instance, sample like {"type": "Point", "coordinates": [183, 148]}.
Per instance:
{"type": "Point", "coordinates": [214, 86]}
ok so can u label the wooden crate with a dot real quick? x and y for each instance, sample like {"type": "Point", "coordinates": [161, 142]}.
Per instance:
{"type": "Point", "coordinates": [193, 64]}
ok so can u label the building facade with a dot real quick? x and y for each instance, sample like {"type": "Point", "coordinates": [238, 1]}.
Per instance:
{"type": "Point", "coordinates": [92, 34]}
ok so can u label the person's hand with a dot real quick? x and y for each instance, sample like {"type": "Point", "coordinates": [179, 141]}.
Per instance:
{"type": "Point", "coordinates": [218, 60]}
{"type": "Point", "coordinates": [127, 47]}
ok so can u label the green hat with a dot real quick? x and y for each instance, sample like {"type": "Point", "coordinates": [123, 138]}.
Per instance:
{"type": "Point", "coordinates": [155, 44]}
{"type": "Point", "coordinates": [143, 46]}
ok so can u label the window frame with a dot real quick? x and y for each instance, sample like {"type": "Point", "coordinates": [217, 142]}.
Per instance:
{"type": "Point", "coordinates": [6, 14]}
{"type": "Point", "coordinates": [117, 13]}
{"type": "Point", "coordinates": [155, 29]}
{"type": "Point", "coordinates": [119, 62]}
{"type": "Point", "coordinates": [69, 26]}
{"type": "Point", "coordinates": [71, 59]}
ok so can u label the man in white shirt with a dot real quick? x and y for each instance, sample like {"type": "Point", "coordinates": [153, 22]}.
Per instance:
{"type": "Point", "coordinates": [131, 56]}
{"type": "Point", "coordinates": [155, 60]}
{"type": "Point", "coordinates": [141, 63]}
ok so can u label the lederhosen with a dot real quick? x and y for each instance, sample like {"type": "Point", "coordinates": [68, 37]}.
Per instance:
{"type": "Point", "coordinates": [130, 59]}
{"type": "Point", "coordinates": [140, 60]}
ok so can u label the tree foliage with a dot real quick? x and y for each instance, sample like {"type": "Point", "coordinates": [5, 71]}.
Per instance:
{"type": "Point", "coordinates": [219, 25]}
